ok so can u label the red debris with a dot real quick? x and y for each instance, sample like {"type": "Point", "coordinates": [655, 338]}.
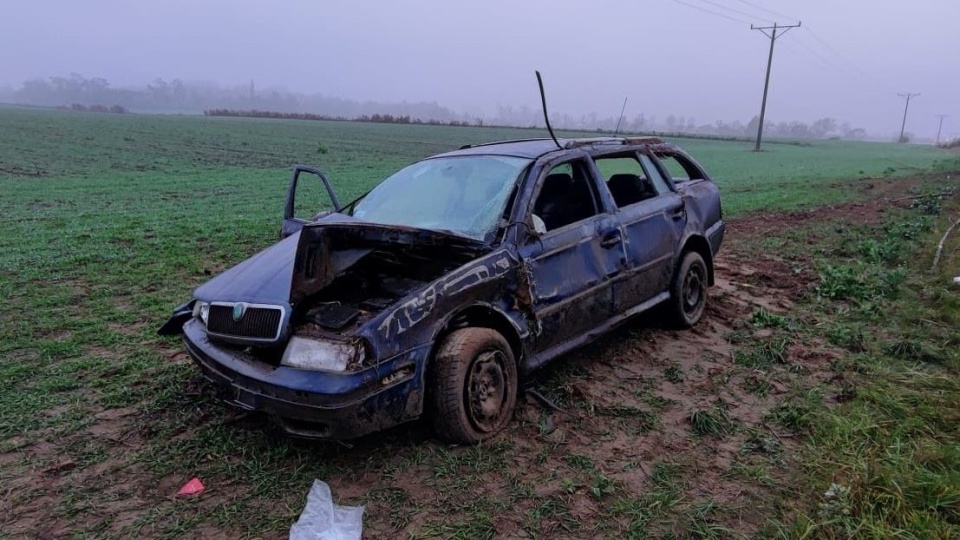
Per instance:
{"type": "Point", "coordinates": [193, 487]}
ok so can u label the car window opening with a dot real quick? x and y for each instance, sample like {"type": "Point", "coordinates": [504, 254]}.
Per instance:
{"type": "Point", "coordinates": [566, 196]}
{"type": "Point", "coordinates": [627, 180]}
{"type": "Point", "coordinates": [680, 168]}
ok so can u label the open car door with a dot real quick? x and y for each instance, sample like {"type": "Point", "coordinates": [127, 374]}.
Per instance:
{"type": "Point", "coordinates": [294, 221]}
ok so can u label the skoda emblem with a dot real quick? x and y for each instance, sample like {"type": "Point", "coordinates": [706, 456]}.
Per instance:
{"type": "Point", "coordinates": [238, 310]}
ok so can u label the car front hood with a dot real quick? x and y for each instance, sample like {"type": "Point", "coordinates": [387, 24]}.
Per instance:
{"type": "Point", "coordinates": [309, 260]}
{"type": "Point", "coordinates": [261, 279]}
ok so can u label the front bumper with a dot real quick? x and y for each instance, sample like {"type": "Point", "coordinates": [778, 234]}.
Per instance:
{"type": "Point", "coordinates": [312, 404]}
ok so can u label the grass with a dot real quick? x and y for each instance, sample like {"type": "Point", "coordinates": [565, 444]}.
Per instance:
{"type": "Point", "coordinates": [714, 421]}
{"type": "Point", "coordinates": [108, 221]}
{"type": "Point", "coordinates": [884, 462]}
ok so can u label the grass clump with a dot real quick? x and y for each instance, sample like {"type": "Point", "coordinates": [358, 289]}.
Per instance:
{"type": "Point", "coordinates": [859, 281]}
{"type": "Point", "coordinates": [763, 354]}
{"type": "Point", "coordinates": [673, 373]}
{"type": "Point", "coordinates": [711, 422]}
{"type": "Point", "coordinates": [762, 318]}
{"type": "Point", "coordinates": [848, 337]}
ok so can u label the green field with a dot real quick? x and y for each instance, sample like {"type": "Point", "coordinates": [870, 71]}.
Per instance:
{"type": "Point", "coordinates": [108, 221]}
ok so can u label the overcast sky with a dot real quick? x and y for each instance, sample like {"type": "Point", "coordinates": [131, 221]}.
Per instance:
{"type": "Point", "coordinates": [848, 61]}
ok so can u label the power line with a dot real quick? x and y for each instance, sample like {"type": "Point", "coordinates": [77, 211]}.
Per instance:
{"type": "Point", "coordinates": [766, 85]}
{"type": "Point", "coordinates": [737, 11]}
{"type": "Point", "coordinates": [818, 56]}
{"type": "Point", "coordinates": [832, 67]}
{"type": "Point", "coordinates": [705, 10]}
{"type": "Point", "coordinates": [907, 95]}
{"type": "Point", "coordinates": [770, 11]}
{"type": "Point", "coordinates": [843, 58]}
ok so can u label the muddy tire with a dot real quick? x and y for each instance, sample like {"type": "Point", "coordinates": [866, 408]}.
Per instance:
{"type": "Point", "coordinates": [688, 292]}
{"type": "Point", "coordinates": [474, 392]}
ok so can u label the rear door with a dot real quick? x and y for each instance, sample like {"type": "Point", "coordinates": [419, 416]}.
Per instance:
{"type": "Point", "coordinates": [576, 255]}
{"type": "Point", "coordinates": [651, 215]}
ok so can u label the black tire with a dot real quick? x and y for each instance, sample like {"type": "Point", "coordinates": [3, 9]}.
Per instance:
{"type": "Point", "coordinates": [688, 292]}
{"type": "Point", "coordinates": [474, 385]}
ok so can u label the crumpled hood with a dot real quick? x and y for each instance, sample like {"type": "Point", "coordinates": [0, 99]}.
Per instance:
{"type": "Point", "coordinates": [308, 260]}
{"type": "Point", "coordinates": [264, 278]}
{"type": "Point", "coordinates": [261, 279]}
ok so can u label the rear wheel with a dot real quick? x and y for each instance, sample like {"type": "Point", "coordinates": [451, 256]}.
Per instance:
{"type": "Point", "coordinates": [475, 385]}
{"type": "Point", "coordinates": [688, 293]}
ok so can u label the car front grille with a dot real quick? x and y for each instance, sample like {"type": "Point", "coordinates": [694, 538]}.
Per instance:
{"type": "Point", "coordinates": [257, 322]}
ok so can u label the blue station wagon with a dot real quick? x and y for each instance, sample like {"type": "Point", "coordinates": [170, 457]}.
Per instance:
{"type": "Point", "coordinates": [438, 292]}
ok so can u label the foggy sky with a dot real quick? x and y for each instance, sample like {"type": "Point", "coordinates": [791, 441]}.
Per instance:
{"type": "Point", "coordinates": [848, 60]}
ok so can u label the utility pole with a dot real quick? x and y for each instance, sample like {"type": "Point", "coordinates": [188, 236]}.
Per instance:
{"type": "Point", "coordinates": [766, 84]}
{"type": "Point", "coordinates": [940, 128]}
{"type": "Point", "coordinates": [621, 115]}
{"type": "Point", "coordinates": [908, 95]}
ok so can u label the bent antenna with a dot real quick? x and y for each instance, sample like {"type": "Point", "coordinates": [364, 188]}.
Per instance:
{"type": "Point", "coordinates": [546, 117]}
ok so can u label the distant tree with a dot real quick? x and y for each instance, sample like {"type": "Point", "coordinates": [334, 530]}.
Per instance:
{"type": "Point", "coordinates": [671, 123]}
{"type": "Point", "coordinates": [822, 127]}
{"type": "Point", "coordinates": [856, 134]}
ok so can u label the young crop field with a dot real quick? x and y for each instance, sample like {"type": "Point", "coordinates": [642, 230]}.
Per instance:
{"type": "Point", "coordinates": [819, 398]}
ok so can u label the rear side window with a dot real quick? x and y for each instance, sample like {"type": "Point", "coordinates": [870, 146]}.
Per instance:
{"type": "Point", "coordinates": [680, 168]}
{"type": "Point", "coordinates": [626, 180]}
{"type": "Point", "coordinates": [654, 173]}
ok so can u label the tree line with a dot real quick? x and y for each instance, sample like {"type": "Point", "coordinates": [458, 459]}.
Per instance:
{"type": "Point", "coordinates": [95, 93]}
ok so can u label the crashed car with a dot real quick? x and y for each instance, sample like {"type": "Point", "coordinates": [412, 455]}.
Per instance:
{"type": "Point", "coordinates": [439, 291]}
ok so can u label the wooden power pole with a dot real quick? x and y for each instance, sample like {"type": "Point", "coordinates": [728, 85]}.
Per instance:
{"type": "Point", "coordinates": [940, 127]}
{"type": "Point", "coordinates": [908, 95]}
{"type": "Point", "coordinates": [766, 84]}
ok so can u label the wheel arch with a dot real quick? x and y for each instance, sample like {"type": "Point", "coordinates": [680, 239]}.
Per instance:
{"type": "Point", "coordinates": [481, 315]}
{"type": "Point", "coordinates": [701, 246]}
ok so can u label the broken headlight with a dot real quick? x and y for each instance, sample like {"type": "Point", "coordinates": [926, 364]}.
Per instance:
{"type": "Point", "coordinates": [323, 354]}
{"type": "Point", "coordinates": [201, 310]}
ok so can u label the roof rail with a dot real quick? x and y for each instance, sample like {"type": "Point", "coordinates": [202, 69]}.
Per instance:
{"type": "Point", "coordinates": [464, 147]}
{"type": "Point", "coordinates": [574, 143]}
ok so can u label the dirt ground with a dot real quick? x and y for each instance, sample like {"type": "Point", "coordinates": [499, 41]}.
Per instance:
{"type": "Point", "coordinates": [625, 407]}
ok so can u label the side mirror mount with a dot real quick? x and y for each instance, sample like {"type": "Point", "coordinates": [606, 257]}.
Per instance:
{"type": "Point", "coordinates": [539, 227]}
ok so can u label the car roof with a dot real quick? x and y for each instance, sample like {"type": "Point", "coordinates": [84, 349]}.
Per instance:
{"type": "Point", "coordinates": [534, 148]}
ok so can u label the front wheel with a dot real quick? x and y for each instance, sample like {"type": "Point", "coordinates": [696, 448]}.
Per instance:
{"type": "Point", "coordinates": [688, 292]}
{"type": "Point", "coordinates": [475, 385]}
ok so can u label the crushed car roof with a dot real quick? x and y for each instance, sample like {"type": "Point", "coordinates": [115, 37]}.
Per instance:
{"type": "Point", "coordinates": [534, 148]}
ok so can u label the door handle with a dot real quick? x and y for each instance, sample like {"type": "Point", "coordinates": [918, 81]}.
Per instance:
{"type": "Point", "coordinates": [611, 239]}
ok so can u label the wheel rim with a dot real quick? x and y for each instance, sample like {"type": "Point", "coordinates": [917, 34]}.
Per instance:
{"type": "Point", "coordinates": [693, 293]}
{"type": "Point", "coordinates": [487, 390]}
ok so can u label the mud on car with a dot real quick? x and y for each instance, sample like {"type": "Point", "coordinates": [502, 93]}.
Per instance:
{"type": "Point", "coordinates": [436, 293]}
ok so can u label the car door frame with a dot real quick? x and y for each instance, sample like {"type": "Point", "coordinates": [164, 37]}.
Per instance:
{"type": "Point", "coordinates": [649, 265]}
{"type": "Point", "coordinates": [588, 235]}
{"type": "Point", "coordinates": [291, 224]}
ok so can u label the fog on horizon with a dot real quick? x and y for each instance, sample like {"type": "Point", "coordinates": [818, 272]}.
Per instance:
{"type": "Point", "coordinates": [694, 58]}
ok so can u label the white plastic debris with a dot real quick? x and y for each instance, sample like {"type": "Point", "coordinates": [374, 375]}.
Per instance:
{"type": "Point", "coordinates": [323, 520]}
{"type": "Point", "coordinates": [956, 280]}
